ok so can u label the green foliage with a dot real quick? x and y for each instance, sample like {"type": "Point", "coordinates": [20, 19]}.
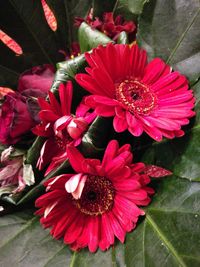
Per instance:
{"type": "Point", "coordinates": [90, 38]}
{"type": "Point", "coordinates": [168, 236]}
{"type": "Point", "coordinates": [170, 30]}
{"type": "Point", "coordinates": [169, 233]}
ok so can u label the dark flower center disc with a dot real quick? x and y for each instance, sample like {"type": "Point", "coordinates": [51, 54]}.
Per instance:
{"type": "Point", "coordinates": [135, 97]}
{"type": "Point", "coordinates": [97, 196]}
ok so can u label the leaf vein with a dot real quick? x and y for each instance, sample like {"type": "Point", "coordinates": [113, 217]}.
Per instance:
{"type": "Point", "coordinates": [166, 241]}
{"type": "Point", "coordinates": [182, 37]}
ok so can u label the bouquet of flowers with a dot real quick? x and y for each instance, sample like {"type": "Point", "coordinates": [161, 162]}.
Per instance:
{"type": "Point", "coordinates": [99, 133]}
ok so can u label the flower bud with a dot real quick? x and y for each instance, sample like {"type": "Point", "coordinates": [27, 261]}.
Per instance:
{"type": "Point", "coordinates": [77, 127]}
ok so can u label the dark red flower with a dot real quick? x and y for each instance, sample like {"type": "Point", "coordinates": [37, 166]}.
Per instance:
{"type": "Point", "coordinates": [98, 202]}
{"type": "Point", "coordinates": [73, 52]}
{"type": "Point", "coordinates": [37, 81]}
{"type": "Point", "coordinates": [60, 127]}
{"type": "Point", "coordinates": [21, 108]}
{"type": "Point", "coordinates": [4, 91]}
{"type": "Point", "coordinates": [108, 25]}
{"type": "Point", "coordinates": [15, 119]}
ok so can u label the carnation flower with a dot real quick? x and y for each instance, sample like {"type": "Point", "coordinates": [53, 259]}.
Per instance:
{"type": "Point", "coordinates": [109, 25]}
{"type": "Point", "coordinates": [14, 175]}
{"type": "Point", "coordinates": [97, 203]}
{"type": "Point", "coordinates": [141, 96]}
{"type": "Point", "coordinates": [60, 127]}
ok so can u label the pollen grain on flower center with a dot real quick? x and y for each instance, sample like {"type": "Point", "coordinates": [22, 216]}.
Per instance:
{"type": "Point", "coordinates": [136, 97]}
{"type": "Point", "coordinates": [97, 196]}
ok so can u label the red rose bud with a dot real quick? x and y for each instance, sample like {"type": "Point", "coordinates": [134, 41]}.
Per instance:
{"type": "Point", "coordinates": [36, 81]}
{"type": "Point", "coordinates": [15, 119]}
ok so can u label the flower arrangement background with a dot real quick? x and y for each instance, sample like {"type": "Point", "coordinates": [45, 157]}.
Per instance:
{"type": "Point", "coordinates": [169, 233]}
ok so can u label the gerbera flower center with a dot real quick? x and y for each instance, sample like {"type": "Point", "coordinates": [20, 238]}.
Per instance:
{"type": "Point", "coordinates": [63, 141]}
{"type": "Point", "coordinates": [136, 97]}
{"type": "Point", "coordinates": [97, 196]}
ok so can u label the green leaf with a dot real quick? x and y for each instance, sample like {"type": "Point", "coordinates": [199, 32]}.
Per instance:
{"type": "Point", "coordinates": [29, 28]}
{"type": "Point", "coordinates": [92, 145]}
{"type": "Point", "coordinates": [169, 235]}
{"type": "Point", "coordinates": [34, 151]}
{"type": "Point", "coordinates": [129, 9]}
{"type": "Point", "coordinates": [196, 89]}
{"type": "Point", "coordinates": [28, 174]}
{"type": "Point", "coordinates": [31, 245]}
{"type": "Point", "coordinates": [90, 38]}
{"type": "Point", "coordinates": [170, 30]}
{"type": "Point", "coordinates": [6, 190]}
{"type": "Point", "coordinates": [181, 155]}
{"type": "Point", "coordinates": [123, 38]}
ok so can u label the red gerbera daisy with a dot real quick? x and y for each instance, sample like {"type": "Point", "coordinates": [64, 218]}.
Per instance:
{"type": "Point", "coordinates": [60, 127]}
{"type": "Point", "coordinates": [140, 96]}
{"type": "Point", "coordinates": [98, 202]}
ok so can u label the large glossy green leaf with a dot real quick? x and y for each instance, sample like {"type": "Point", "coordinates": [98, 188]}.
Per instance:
{"type": "Point", "coordinates": [170, 30]}
{"type": "Point", "coordinates": [25, 22]}
{"type": "Point", "coordinates": [31, 245]}
{"type": "Point", "coordinates": [129, 8]}
{"type": "Point", "coordinates": [90, 38]}
{"type": "Point", "coordinates": [168, 236]}
{"type": "Point", "coordinates": [170, 233]}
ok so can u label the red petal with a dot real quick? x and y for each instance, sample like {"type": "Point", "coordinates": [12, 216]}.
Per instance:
{"type": "Point", "coordinates": [75, 158]}
{"type": "Point", "coordinates": [51, 20]}
{"type": "Point", "coordinates": [66, 93]}
{"type": "Point", "coordinates": [13, 45]}
{"type": "Point", "coordinates": [156, 172]}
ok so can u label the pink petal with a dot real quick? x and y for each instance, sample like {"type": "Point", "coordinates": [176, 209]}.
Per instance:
{"type": "Point", "coordinates": [93, 234]}
{"type": "Point", "coordinates": [105, 111]}
{"type": "Point", "coordinates": [110, 152]}
{"type": "Point", "coordinates": [115, 166]}
{"type": "Point", "coordinates": [72, 184]}
{"type": "Point", "coordinates": [107, 236]}
{"type": "Point", "coordinates": [77, 193]}
{"type": "Point", "coordinates": [117, 229]}
{"type": "Point", "coordinates": [61, 123]}
{"type": "Point", "coordinates": [75, 158]}
{"type": "Point", "coordinates": [55, 105]}
{"type": "Point", "coordinates": [65, 93]}
{"type": "Point", "coordinates": [153, 71]}
{"type": "Point", "coordinates": [126, 185]}
{"type": "Point", "coordinates": [156, 172]}
{"type": "Point", "coordinates": [48, 115]}
{"type": "Point", "coordinates": [120, 125]}
{"type": "Point", "coordinates": [74, 230]}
